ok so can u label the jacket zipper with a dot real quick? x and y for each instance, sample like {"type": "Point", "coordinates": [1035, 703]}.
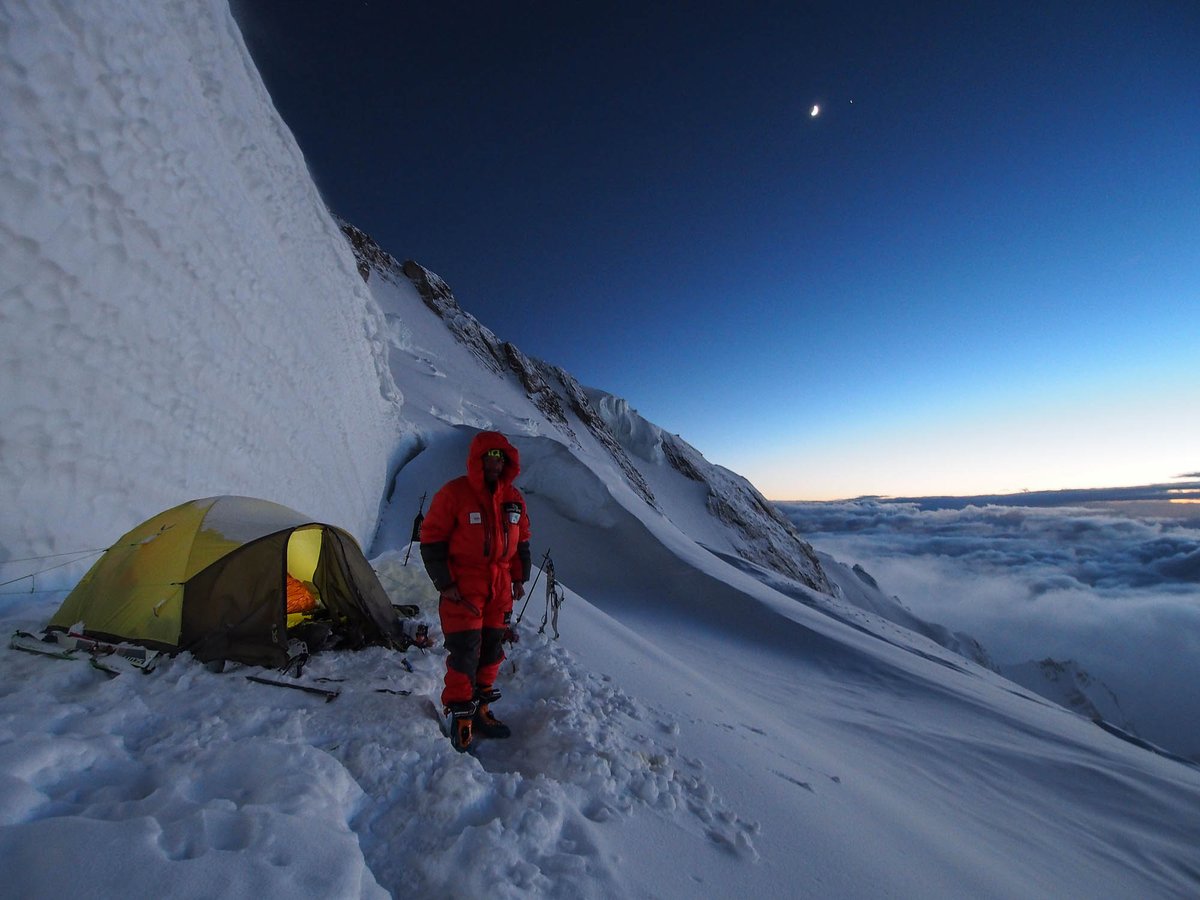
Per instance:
{"type": "Point", "coordinates": [489, 524]}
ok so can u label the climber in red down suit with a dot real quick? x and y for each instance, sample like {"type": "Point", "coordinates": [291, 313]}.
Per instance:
{"type": "Point", "coordinates": [475, 546]}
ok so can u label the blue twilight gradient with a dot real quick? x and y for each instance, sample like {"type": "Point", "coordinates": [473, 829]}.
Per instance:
{"type": "Point", "coordinates": [994, 224]}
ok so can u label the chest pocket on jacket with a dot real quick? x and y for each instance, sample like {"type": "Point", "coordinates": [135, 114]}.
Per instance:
{"type": "Point", "coordinates": [511, 521]}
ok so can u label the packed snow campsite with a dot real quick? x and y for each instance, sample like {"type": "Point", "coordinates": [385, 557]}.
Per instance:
{"type": "Point", "coordinates": [713, 709]}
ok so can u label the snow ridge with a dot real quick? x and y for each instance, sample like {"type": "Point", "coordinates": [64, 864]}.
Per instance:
{"type": "Point", "coordinates": [504, 358]}
{"type": "Point", "coordinates": [1070, 685]}
{"type": "Point", "coordinates": [762, 534]}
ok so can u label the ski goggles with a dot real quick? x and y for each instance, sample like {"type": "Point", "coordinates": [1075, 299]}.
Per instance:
{"type": "Point", "coordinates": [496, 454]}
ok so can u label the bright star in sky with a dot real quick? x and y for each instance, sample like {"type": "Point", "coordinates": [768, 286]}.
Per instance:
{"type": "Point", "coordinates": [815, 111]}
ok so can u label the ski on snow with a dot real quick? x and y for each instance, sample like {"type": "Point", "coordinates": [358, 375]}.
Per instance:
{"type": "Point", "coordinates": [111, 658]}
{"type": "Point", "coordinates": [31, 643]}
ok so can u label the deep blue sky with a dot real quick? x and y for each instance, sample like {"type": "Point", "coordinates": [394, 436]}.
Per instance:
{"type": "Point", "coordinates": [977, 270]}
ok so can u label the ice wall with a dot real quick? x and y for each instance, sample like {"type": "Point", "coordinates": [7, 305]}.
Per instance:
{"type": "Point", "coordinates": [179, 316]}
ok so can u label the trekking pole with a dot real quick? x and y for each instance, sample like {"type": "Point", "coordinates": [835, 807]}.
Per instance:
{"type": "Point", "coordinates": [549, 594]}
{"type": "Point", "coordinates": [529, 593]}
{"type": "Point", "coordinates": [416, 532]}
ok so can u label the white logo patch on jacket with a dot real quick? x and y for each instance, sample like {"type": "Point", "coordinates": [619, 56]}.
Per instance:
{"type": "Point", "coordinates": [475, 518]}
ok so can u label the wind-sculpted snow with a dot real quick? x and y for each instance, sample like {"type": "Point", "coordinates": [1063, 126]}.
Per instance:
{"type": "Point", "coordinates": [151, 208]}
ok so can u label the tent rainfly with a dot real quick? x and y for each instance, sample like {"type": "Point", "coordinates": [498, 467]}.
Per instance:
{"type": "Point", "coordinates": [211, 577]}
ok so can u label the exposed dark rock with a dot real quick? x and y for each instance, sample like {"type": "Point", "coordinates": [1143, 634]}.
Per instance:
{"type": "Point", "coordinates": [535, 385]}
{"type": "Point", "coordinates": [368, 255]}
{"type": "Point", "coordinates": [470, 331]}
{"type": "Point", "coordinates": [864, 576]}
{"type": "Point", "coordinates": [679, 461]}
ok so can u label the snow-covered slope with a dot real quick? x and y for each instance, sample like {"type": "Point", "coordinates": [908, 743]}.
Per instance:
{"type": "Point", "coordinates": [726, 713]}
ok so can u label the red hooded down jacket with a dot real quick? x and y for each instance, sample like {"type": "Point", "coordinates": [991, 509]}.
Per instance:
{"type": "Point", "coordinates": [479, 539]}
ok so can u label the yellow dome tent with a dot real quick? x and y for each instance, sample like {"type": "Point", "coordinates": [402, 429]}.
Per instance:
{"type": "Point", "coordinates": [210, 577]}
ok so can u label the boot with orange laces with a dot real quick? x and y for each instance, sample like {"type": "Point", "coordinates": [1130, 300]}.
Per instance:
{"type": "Point", "coordinates": [486, 724]}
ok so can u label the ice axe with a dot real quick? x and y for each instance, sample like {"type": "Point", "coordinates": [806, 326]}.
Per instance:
{"type": "Point", "coordinates": [416, 532]}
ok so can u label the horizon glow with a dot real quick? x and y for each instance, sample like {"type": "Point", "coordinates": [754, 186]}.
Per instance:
{"type": "Point", "coordinates": [1118, 440]}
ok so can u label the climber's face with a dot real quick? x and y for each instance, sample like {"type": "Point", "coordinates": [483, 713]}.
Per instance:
{"type": "Point", "coordinates": [493, 465]}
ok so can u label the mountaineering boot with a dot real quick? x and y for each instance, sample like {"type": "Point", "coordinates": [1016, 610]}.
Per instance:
{"type": "Point", "coordinates": [461, 717]}
{"type": "Point", "coordinates": [488, 726]}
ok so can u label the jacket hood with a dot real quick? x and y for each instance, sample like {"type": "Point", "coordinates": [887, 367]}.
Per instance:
{"type": "Point", "coordinates": [481, 444]}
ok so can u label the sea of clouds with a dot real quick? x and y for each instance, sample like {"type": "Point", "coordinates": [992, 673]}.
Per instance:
{"type": "Point", "coordinates": [1105, 584]}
